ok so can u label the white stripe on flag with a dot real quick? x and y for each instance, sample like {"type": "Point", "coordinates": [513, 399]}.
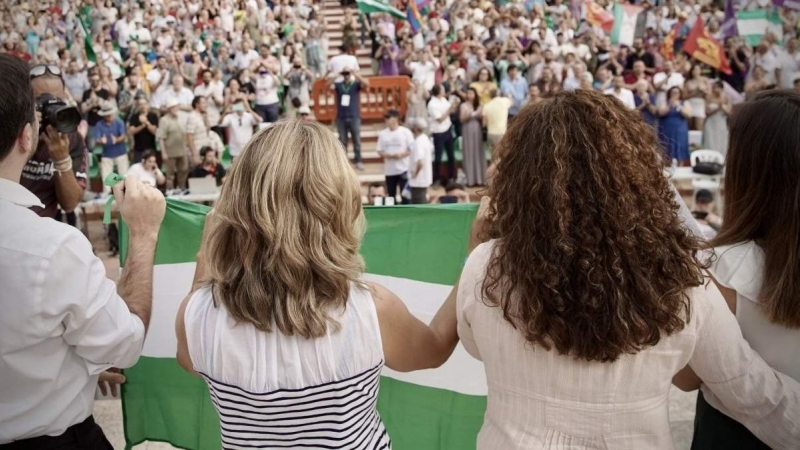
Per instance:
{"type": "Point", "coordinates": [461, 373]}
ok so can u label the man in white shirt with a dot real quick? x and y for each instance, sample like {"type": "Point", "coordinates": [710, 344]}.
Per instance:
{"type": "Point", "coordinates": [419, 164]}
{"type": "Point", "coordinates": [245, 56]}
{"type": "Point", "coordinates": [179, 93]}
{"type": "Point", "coordinates": [213, 91]}
{"type": "Point", "coordinates": [63, 321]}
{"type": "Point", "coordinates": [158, 80]}
{"type": "Point", "coordinates": [439, 109]}
{"type": "Point", "coordinates": [240, 120]}
{"type": "Point", "coordinates": [147, 171]}
{"type": "Point", "coordinates": [664, 81]}
{"type": "Point", "coordinates": [341, 62]}
{"type": "Point", "coordinates": [621, 93]}
{"type": "Point", "coordinates": [394, 146]}
{"type": "Point", "coordinates": [423, 70]}
{"type": "Point", "coordinates": [124, 28]}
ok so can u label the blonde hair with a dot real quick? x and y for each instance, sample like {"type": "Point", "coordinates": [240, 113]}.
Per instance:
{"type": "Point", "coordinates": [283, 249]}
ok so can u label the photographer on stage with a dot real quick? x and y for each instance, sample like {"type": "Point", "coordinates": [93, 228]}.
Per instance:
{"type": "Point", "coordinates": [56, 173]}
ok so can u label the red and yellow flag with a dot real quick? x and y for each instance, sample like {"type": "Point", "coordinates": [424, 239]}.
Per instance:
{"type": "Point", "coordinates": [668, 46]}
{"type": "Point", "coordinates": [704, 48]}
{"type": "Point", "coordinates": [597, 16]}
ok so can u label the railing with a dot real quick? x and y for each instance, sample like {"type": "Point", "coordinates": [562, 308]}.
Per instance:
{"type": "Point", "coordinates": [383, 94]}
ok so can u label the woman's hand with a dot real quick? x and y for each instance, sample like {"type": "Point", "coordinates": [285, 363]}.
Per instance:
{"type": "Point", "coordinates": [480, 226]}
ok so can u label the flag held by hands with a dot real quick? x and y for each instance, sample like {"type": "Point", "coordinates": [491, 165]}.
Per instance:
{"type": "Point", "coordinates": [704, 48]}
{"type": "Point", "coordinates": [597, 16]}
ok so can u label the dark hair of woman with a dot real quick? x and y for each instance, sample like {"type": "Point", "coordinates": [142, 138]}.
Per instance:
{"type": "Point", "coordinates": [476, 100]}
{"type": "Point", "coordinates": [762, 186]}
{"type": "Point", "coordinates": [591, 258]}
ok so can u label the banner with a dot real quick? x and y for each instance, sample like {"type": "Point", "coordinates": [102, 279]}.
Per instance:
{"type": "Point", "coordinates": [630, 22]}
{"type": "Point", "coordinates": [597, 16]}
{"type": "Point", "coordinates": [415, 251]}
{"type": "Point", "coordinates": [704, 48]}
{"type": "Point", "coordinates": [377, 6]}
{"type": "Point", "coordinates": [754, 24]}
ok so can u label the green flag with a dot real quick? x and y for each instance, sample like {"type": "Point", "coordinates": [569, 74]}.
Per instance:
{"type": "Point", "coordinates": [415, 251]}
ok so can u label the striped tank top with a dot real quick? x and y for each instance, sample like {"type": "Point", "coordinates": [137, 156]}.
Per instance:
{"type": "Point", "coordinates": [287, 392]}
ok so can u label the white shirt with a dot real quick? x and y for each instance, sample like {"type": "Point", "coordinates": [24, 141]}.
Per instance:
{"type": "Point", "coordinates": [423, 147]}
{"type": "Point", "coordinates": [624, 95]}
{"type": "Point", "coordinates": [243, 60]}
{"type": "Point", "coordinates": [215, 89]}
{"type": "Point", "coordinates": [674, 79]}
{"type": "Point", "coordinates": [424, 73]}
{"type": "Point", "coordinates": [541, 399]}
{"type": "Point", "coordinates": [123, 29]}
{"type": "Point", "coordinates": [437, 107]}
{"type": "Point", "coordinates": [145, 176]}
{"type": "Point", "coordinates": [395, 142]}
{"type": "Point", "coordinates": [153, 77]}
{"type": "Point", "coordinates": [241, 130]}
{"type": "Point", "coordinates": [340, 62]}
{"type": "Point", "coordinates": [266, 90]}
{"type": "Point", "coordinates": [62, 322]}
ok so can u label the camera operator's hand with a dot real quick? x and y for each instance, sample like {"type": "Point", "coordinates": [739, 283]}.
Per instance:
{"type": "Point", "coordinates": [57, 144]}
{"type": "Point", "coordinates": [141, 206]}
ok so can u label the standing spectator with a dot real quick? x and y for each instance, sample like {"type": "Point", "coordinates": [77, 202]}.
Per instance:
{"type": "Point", "coordinates": [142, 125]}
{"type": "Point", "coordinates": [180, 94]}
{"type": "Point", "coordinates": [758, 82]}
{"type": "Point", "coordinates": [395, 144]}
{"type": "Point", "coordinates": [239, 121]}
{"type": "Point", "coordinates": [348, 111]}
{"type": "Point", "coordinates": [666, 80]}
{"type": "Point", "coordinates": [213, 90]}
{"type": "Point", "coordinates": [416, 101]}
{"type": "Point", "coordinates": [147, 170]}
{"type": "Point", "coordinates": [109, 132]}
{"type": "Point", "coordinates": [421, 171]}
{"type": "Point", "coordinates": [246, 56]}
{"type": "Point", "coordinates": [640, 54]}
{"type": "Point", "coordinates": [92, 100]}
{"type": "Point", "coordinates": [299, 81]}
{"type": "Point", "coordinates": [789, 61]}
{"type": "Point", "coordinates": [646, 103]}
{"type": "Point", "coordinates": [621, 93]}
{"type": "Point", "coordinates": [495, 117]}
{"type": "Point", "coordinates": [196, 130]}
{"type": "Point", "coordinates": [739, 64]}
{"type": "Point", "coordinates": [171, 137]}
{"type": "Point", "coordinates": [126, 98]}
{"type": "Point", "coordinates": [516, 88]}
{"type": "Point", "coordinates": [548, 84]}
{"type": "Point", "coordinates": [534, 95]}
{"type": "Point", "coordinates": [75, 80]}
{"type": "Point", "coordinates": [715, 130]}
{"type": "Point", "coordinates": [158, 80]}
{"type": "Point", "coordinates": [673, 126]}
{"type": "Point", "coordinates": [423, 68]}
{"type": "Point", "coordinates": [768, 61]}
{"type": "Point", "coordinates": [266, 89]}
{"type": "Point", "coordinates": [697, 88]}
{"type": "Point", "coordinates": [343, 62]}
{"type": "Point", "coordinates": [388, 54]}
{"type": "Point", "coordinates": [473, 154]}
{"type": "Point", "coordinates": [209, 167]}
{"type": "Point", "coordinates": [439, 108]}
{"type": "Point", "coordinates": [483, 85]}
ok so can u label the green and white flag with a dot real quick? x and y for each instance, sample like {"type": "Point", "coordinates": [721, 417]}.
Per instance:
{"type": "Point", "coordinates": [754, 24]}
{"type": "Point", "coordinates": [378, 6]}
{"type": "Point", "coordinates": [630, 22]}
{"type": "Point", "coordinates": [417, 252]}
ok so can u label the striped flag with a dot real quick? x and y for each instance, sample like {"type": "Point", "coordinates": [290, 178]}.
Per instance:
{"type": "Point", "coordinates": [377, 6]}
{"type": "Point", "coordinates": [413, 16]}
{"type": "Point", "coordinates": [630, 22]}
{"type": "Point", "coordinates": [754, 24]}
{"type": "Point", "coordinates": [417, 252]}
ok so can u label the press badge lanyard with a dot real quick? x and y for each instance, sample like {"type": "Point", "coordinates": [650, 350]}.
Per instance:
{"type": "Point", "coordinates": [345, 100]}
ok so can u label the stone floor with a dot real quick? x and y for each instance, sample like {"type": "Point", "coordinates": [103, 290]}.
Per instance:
{"type": "Point", "coordinates": [108, 412]}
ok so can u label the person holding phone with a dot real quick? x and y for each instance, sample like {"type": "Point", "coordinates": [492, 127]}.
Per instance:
{"type": "Point", "coordinates": [348, 112]}
{"type": "Point", "coordinates": [240, 120]}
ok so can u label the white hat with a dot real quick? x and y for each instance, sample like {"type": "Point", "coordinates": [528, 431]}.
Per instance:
{"type": "Point", "coordinates": [304, 110]}
{"type": "Point", "coordinates": [108, 109]}
{"type": "Point", "coordinates": [170, 103]}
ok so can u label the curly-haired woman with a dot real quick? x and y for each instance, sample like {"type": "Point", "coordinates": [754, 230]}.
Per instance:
{"type": "Point", "coordinates": [589, 297]}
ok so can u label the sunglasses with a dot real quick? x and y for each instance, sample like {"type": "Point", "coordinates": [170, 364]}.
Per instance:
{"type": "Point", "coordinates": [41, 69]}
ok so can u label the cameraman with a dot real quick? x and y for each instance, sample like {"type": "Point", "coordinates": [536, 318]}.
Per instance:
{"type": "Point", "coordinates": [56, 173]}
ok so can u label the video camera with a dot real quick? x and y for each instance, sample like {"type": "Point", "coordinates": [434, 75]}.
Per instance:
{"type": "Point", "coordinates": [55, 112]}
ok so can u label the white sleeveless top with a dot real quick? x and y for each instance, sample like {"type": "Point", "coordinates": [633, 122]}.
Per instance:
{"type": "Point", "coordinates": [741, 267]}
{"type": "Point", "coordinates": [277, 391]}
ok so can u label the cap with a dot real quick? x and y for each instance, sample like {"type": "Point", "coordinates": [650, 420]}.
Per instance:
{"type": "Point", "coordinates": [170, 103]}
{"type": "Point", "coordinates": [391, 113]}
{"type": "Point", "coordinates": [108, 109]}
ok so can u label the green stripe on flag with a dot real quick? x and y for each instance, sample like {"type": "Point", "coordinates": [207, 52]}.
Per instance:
{"type": "Point", "coordinates": [417, 248]}
{"type": "Point", "coordinates": [754, 24]}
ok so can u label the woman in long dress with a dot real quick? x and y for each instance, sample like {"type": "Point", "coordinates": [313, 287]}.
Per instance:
{"type": "Point", "coordinates": [697, 89]}
{"type": "Point", "coordinates": [715, 131]}
{"type": "Point", "coordinates": [473, 155]}
{"type": "Point", "coordinates": [417, 98]}
{"type": "Point", "coordinates": [673, 128]}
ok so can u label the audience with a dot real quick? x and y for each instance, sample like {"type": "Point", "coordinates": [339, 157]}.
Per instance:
{"type": "Point", "coordinates": [209, 166]}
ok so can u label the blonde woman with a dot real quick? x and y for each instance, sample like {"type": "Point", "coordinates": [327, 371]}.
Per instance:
{"type": "Point", "coordinates": [289, 339]}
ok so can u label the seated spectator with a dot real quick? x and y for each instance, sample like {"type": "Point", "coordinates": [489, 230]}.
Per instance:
{"type": "Point", "coordinates": [147, 170]}
{"type": "Point", "coordinates": [454, 193]}
{"type": "Point", "coordinates": [376, 192]}
{"type": "Point", "coordinates": [209, 167]}
{"type": "Point", "coordinates": [702, 212]}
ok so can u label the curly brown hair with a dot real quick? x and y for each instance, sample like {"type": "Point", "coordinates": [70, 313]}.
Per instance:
{"type": "Point", "coordinates": [590, 256]}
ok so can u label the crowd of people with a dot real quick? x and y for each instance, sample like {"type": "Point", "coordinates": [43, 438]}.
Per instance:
{"type": "Point", "coordinates": [188, 74]}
